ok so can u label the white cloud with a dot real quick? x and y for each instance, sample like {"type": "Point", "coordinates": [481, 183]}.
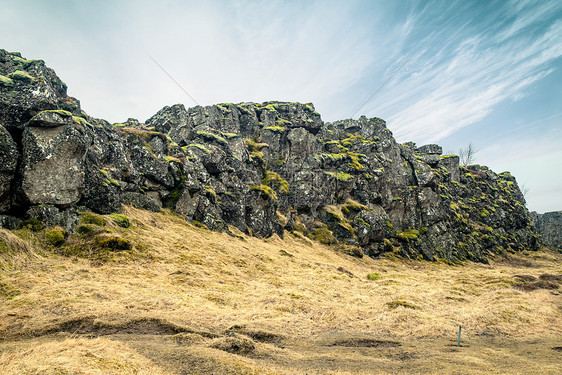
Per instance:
{"type": "Point", "coordinates": [454, 89]}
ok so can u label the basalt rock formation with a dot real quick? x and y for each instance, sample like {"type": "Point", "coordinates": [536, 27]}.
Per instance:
{"type": "Point", "coordinates": [262, 168]}
{"type": "Point", "coordinates": [549, 226]}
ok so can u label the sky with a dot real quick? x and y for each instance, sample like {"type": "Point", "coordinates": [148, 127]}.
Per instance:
{"type": "Point", "coordinates": [438, 71]}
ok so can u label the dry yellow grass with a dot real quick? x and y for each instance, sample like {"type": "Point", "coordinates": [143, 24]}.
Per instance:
{"type": "Point", "coordinates": [290, 306]}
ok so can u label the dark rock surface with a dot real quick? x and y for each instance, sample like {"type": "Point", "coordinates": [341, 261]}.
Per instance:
{"type": "Point", "coordinates": [549, 226]}
{"type": "Point", "coordinates": [262, 168]}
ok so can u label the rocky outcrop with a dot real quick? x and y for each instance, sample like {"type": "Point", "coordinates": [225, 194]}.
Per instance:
{"type": "Point", "coordinates": [549, 226]}
{"type": "Point", "coordinates": [262, 168]}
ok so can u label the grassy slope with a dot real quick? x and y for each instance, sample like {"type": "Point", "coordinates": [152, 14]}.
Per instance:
{"type": "Point", "coordinates": [292, 307]}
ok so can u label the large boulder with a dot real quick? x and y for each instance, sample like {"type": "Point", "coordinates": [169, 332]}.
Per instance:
{"type": "Point", "coordinates": [52, 167]}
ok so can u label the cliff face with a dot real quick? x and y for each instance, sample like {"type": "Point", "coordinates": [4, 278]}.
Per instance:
{"type": "Point", "coordinates": [549, 226]}
{"type": "Point", "coordinates": [262, 168]}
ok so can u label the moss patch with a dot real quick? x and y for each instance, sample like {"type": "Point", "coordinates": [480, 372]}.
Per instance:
{"type": "Point", "coordinates": [408, 234]}
{"type": "Point", "coordinates": [21, 75]}
{"type": "Point", "coordinates": [92, 218]}
{"type": "Point", "coordinates": [208, 136]}
{"type": "Point", "coordinates": [111, 242]}
{"type": "Point", "coordinates": [6, 81]}
{"type": "Point", "coordinates": [340, 176]}
{"type": "Point", "coordinates": [266, 190]}
{"type": "Point", "coordinates": [121, 220]}
{"type": "Point", "coordinates": [323, 235]}
{"type": "Point", "coordinates": [273, 179]}
{"type": "Point", "coordinates": [56, 236]}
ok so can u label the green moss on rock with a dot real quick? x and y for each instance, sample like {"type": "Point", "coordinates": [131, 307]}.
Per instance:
{"type": "Point", "coordinates": [273, 178]}
{"type": "Point", "coordinates": [6, 81]}
{"type": "Point", "coordinates": [266, 190]}
{"type": "Point", "coordinates": [21, 75]}
{"type": "Point", "coordinates": [408, 234]}
{"type": "Point", "coordinates": [121, 220]}
{"type": "Point", "coordinates": [92, 218]}
{"type": "Point", "coordinates": [208, 136]}
{"type": "Point", "coordinates": [56, 236]}
{"type": "Point", "coordinates": [323, 235]}
{"type": "Point", "coordinates": [33, 225]}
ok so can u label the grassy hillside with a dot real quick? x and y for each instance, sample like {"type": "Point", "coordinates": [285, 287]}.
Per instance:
{"type": "Point", "coordinates": [185, 300]}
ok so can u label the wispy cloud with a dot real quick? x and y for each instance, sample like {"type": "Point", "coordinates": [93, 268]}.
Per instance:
{"type": "Point", "coordinates": [458, 75]}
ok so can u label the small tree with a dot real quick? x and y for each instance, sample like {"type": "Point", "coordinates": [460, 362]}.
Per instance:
{"type": "Point", "coordinates": [466, 155]}
{"type": "Point", "coordinates": [524, 190]}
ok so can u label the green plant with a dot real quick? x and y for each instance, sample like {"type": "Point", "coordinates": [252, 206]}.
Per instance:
{"type": "Point", "coordinates": [275, 179]}
{"type": "Point", "coordinates": [275, 129]}
{"type": "Point", "coordinates": [323, 235]}
{"type": "Point", "coordinates": [33, 225]}
{"type": "Point", "coordinates": [92, 218]}
{"type": "Point", "coordinates": [340, 176]}
{"type": "Point", "coordinates": [21, 75]}
{"type": "Point", "coordinates": [373, 276]}
{"type": "Point", "coordinates": [56, 236]}
{"type": "Point", "coordinates": [81, 121]}
{"type": "Point", "coordinates": [198, 146]}
{"type": "Point", "coordinates": [269, 192]}
{"type": "Point", "coordinates": [113, 242]}
{"type": "Point", "coordinates": [408, 234]}
{"type": "Point", "coordinates": [121, 220]}
{"type": "Point", "coordinates": [208, 136]}
{"type": "Point", "coordinates": [85, 230]}
{"type": "Point", "coordinates": [5, 81]}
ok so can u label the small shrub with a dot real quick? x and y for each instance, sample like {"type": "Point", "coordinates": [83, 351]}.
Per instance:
{"type": "Point", "coordinates": [85, 230]}
{"type": "Point", "coordinates": [355, 252]}
{"type": "Point", "coordinates": [92, 218]}
{"type": "Point", "coordinates": [373, 276]}
{"type": "Point", "coordinates": [56, 236]}
{"type": "Point", "coordinates": [534, 285]}
{"type": "Point", "coordinates": [113, 243]}
{"type": "Point", "coordinates": [33, 225]}
{"type": "Point", "coordinates": [121, 220]}
{"type": "Point", "coordinates": [323, 235]}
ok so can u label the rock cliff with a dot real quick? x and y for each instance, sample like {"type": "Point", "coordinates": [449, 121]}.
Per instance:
{"type": "Point", "coordinates": [549, 226]}
{"type": "Point", "coordinates": [262, 168]}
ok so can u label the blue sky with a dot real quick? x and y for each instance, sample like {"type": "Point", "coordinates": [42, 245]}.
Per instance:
{"type": "Point", "coordinates": [445, 72]}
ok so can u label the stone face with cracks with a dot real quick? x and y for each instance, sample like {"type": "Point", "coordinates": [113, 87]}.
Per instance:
{"type": "Point", "coordinates": [262, 168]}
{"type": "Point", "coordinates": [9, 156]}
{"type": "Point", "coordinates": [52, 167]}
